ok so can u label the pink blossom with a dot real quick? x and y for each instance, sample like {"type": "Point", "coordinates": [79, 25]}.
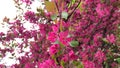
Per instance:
{"type": "Point", "coordinates": [28, 2]}
{"type": "Point", "coordinates": [100, 56]}
{"type": "Point", "coordinates": [65, 58]}
{"type": "Point", "coordinates": [42, 28]}
{"type": "Point", "coordinates": [1, 34]}
{"type": "Point", "coordinates": [112, 1]}
{"type": "Point", "coordinates": [30, 16]}
{"type": "Point", "coordinates": [64, 39]}
{"type": "Point", "coordinates": [47, 64]}
{"type": "Point", "coordinates": [96, 39]}
{"type": "Point", "coordinates": [89, 64]}
{"type": "Point", "coordinates": [111, 38]}
{"type": "Point", "coordinates": [102, 10]}
{"type": "Point", "coordinates": [55, 28]}
{"type": "Point", "coordinates": [114, 65]}
{"type": "Point", "coordinates": [52, 36]}
{"type": "Point", "coordinates": [88, 1]}
{"type": "Point", "coordinates": [29, 65]}
{"type": "Point", "coordinates": [53, 49]}
{"type": "Point", "coordinates": [72, 55]}
{"type": "Point", "coordinates": [84, 56]}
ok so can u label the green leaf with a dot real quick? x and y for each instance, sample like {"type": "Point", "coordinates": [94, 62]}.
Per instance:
{"type": "Point", "coordinates": [54, 16]}
{"type": "Point", "coordinates": [105, 40]}
{"type": "Point", "coordinates": [80, 7]}
{"type": "Point", "coordinates": [54, 58]}
{"type": "Point", "coordinates": [64, 15]}
{"type": "Point", "coordinates": [73, 1]}
{"type": "Point", "coordinates": [78, 64]}
{"type": "Point", "coordinates": [62, 63]}
{"type": "Point", "coordinates": [118, 60]}
{"type": "Point", "coordinates": [59, 53]}
{"type": "Point", "coordinates": [106, 65]}
{"type": "Point", "coordinates": [61, 45]}
{"type": "Point", "coordinates": [74, 43]}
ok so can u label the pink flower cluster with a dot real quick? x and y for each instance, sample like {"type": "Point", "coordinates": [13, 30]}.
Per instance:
{"type": "Point", "coordinates": [28, 2]}
{"type": "Point", "coordinates": [54, 49]}
{"type": "Point", "coordinates": [30, 16]}
{"type": "Point", "coordinates": [111, 38]}
{"type": "Point", "coordinates": [103, 10]}
{"type": "Point", "coordinates": [89, 64]}
{"type": "Point", "coordinates": [62, 37]}
{"type": "Point", "coordinates": [47, 64]}
{"type": "Point", "coordinates": [100, 56]}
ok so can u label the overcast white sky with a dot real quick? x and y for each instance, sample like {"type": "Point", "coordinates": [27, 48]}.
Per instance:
{"type": "Point", "coordinates": [7, 9]}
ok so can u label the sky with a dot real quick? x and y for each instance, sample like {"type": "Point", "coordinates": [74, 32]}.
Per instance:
{"type": "Point", "coordinates": [8, 9]}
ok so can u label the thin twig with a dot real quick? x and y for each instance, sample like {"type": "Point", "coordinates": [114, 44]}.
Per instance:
{"type": "Point", "coordinates": [57, 6]}
{"type": "Point", "coordinates": [73, 10]}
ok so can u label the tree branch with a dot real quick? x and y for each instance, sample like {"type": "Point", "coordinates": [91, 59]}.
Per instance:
{"type": "Point", "coordinates": [73, 10]}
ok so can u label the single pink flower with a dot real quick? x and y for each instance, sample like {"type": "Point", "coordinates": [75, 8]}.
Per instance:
{"type": "Point", "coordinates": [72, 55]}
{"type": "Point", "coordinates": [64, 39]}
{"type": "Point", "coordinates": [97, 37]}
{"type": "Point", "coordinates": [52, 36]}
{"type": "Point", "coordinates": [111, 38]}
{"type": "Point", "coordinates": [65, 58]}
{"type": "Point", "coordinates": [100, 56]}
{"type": "Point", "coordinates": [54, 49]}
{"type": "Point", "coordinates": [55, 28]}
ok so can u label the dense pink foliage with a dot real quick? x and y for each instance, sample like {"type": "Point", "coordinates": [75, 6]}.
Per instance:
{"type": "Point", "coordinates": [86, 38]}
